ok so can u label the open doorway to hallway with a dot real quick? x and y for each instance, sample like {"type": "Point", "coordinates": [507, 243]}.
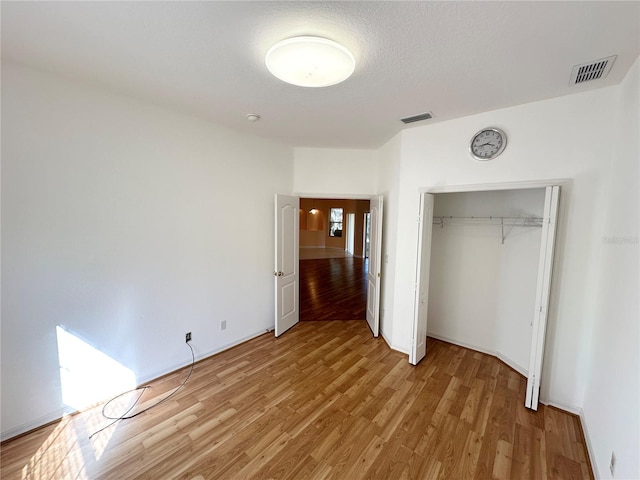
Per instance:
{"type": "Point", "coordinates": [333, 267]}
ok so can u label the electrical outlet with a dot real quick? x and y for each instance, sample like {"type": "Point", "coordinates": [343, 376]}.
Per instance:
{"type": "Point", "coordinates": [612, 463]}
{"type": "Point", "coordinates": [223, 325]}
{"type": "Point", "coordinates": [187, 337]}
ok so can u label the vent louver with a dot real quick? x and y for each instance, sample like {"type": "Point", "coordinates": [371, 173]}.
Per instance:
{"type": "Point", "coordinates": [417, 118]}
{"type": "Point", "coordinates": [591, 71]}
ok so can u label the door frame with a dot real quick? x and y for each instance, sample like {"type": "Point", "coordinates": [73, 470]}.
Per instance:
{"type": "Point", "coordinates": [350, 232]}
{"type": "Point", "coordinates": [540, 326]}
{"type": "Point", "coordinates": [331, 196]}
{"type": "Point", "coordinates": [366, 224]}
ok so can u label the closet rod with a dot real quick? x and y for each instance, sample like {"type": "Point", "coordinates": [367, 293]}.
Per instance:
{"type": "Point", "coordinates": [452, 221]}
{"type": "Point", "coordinates": [533, 225]}
{"type": "Point", "coordinates": [497, 217]}
{"type": "Point", "coordinates": [499, 221]}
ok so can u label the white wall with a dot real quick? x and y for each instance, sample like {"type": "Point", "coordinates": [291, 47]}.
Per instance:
{"type": "Point", "coordinates": [388, 159]}
{"type": "Point", "coordinates": [547, 140]}
{"type": "Point", "coordinates": [341, 173]}
{"type": "Point", "coordinates": [481, 291]}
{"type": "Point", "coordinates": [129, 225]}
{"type": "Point", "coordinates": [612, 394]}
{"type": "Point", "coordinates": [113, 225]}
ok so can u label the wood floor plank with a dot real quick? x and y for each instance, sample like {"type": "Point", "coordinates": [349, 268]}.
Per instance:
{"type": "Point", "coordinates": [333, 288]}
{"type": "Point", "coordinates": [503, 461]}
{"type": "Point", "coordinates": [323, 401]}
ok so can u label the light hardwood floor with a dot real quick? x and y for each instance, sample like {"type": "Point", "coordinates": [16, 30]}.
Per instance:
{"type": "Point", "coordinates": [325, 400]}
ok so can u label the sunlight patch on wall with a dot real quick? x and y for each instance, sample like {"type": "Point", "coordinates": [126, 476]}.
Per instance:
{"type": "Point", "coordinates": [87, 375]}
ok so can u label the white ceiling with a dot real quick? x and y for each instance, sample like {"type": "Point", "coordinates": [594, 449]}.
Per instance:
{"type": "Point", "coordinates": [207, 58]}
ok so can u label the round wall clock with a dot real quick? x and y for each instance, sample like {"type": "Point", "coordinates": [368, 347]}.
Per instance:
{"type": "Point", "coordinates": [487, 144]}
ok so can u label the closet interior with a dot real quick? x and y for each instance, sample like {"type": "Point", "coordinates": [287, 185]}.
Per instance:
{"type": "Point", "coordinates": [485, 250]}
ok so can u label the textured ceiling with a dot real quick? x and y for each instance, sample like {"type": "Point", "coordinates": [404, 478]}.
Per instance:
{"type": "Point", "coordinates": [207, 58]}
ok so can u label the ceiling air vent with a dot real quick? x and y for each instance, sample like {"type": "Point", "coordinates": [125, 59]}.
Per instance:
{"type": "Point", "coordinates": [417, 118]}
{"type": "Point", "coordinates": [591, 71]}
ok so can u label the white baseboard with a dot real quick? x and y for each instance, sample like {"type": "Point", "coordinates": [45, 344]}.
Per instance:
{"type": "Point", "coordinates": [61, 412]}
{"type": "Point", "coordinates": [454, 341]}
{"type": "Point", "coordinates": [200, 356]}
{"type": "Point", "coordinates": [37, 423]}
{"type": "Point", "coordinates": [590, 450]}
{"type": "Point", "coordinates": [392, 346]}
{"type": "Point", "coordinates": [563, 406]}
{"type": "Point", "coordinates": [518, 368]}
{"type": "Point", "coordinates": [575, 410]}
{"type": "Point", "coordinates": [386, 339]}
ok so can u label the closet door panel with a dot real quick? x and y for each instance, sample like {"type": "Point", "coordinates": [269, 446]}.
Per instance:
{"type": "Point", "coordinates": [543, 288]}
{"type": "Point", "coordinates": [419, 337]}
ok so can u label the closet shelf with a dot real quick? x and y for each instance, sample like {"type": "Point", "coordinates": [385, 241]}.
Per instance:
{"type": "Point", "coordinates": [496, 221]}
{"type": "Point", "coordinates": [501, 222]}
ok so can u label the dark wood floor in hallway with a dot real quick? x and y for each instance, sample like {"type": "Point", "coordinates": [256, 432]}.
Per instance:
{"type": "Point", "coordinates": [333, 288]}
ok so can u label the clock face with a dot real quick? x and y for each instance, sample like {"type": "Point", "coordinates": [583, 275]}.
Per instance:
{"type": "Point", "coordinates": [488, 144]}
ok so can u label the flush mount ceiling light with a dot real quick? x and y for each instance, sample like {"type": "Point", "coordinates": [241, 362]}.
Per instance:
{"type": "Point", "coordinates": [310, 61]}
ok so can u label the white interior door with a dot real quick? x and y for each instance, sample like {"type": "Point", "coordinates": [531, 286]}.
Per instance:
{"type": "Point", "coordinates": [365, 236]}
{"type": "Point", "coordinates": [287, 312]}
{"type": "Point", "coordinates": [419, 336]}
{"type": "Point", "coordinates": [543, 288]}
{"type": "Point", "coordinates": [375, 256]}
{"type": "Point", "coordinates": [351, 232]}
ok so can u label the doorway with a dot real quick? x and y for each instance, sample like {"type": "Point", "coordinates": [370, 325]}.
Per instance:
{"type": "Point", "coordinates": [289, 216]}
{"type": "Point", "coordinates": [484, 273]}
{"type": "Point", "coordinates": [332, 265]}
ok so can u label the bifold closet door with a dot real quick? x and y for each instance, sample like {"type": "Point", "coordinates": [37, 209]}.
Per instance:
{"type": "Point", "coordinates": [539, 323]}
{"type": "Point", "coordinates": [425, 225]}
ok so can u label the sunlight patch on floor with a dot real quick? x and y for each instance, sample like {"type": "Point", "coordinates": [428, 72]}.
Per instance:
{"type": "Point", "coordinates": [59, 456]}
{"type": "Point", "coordinates": [89, 376]}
